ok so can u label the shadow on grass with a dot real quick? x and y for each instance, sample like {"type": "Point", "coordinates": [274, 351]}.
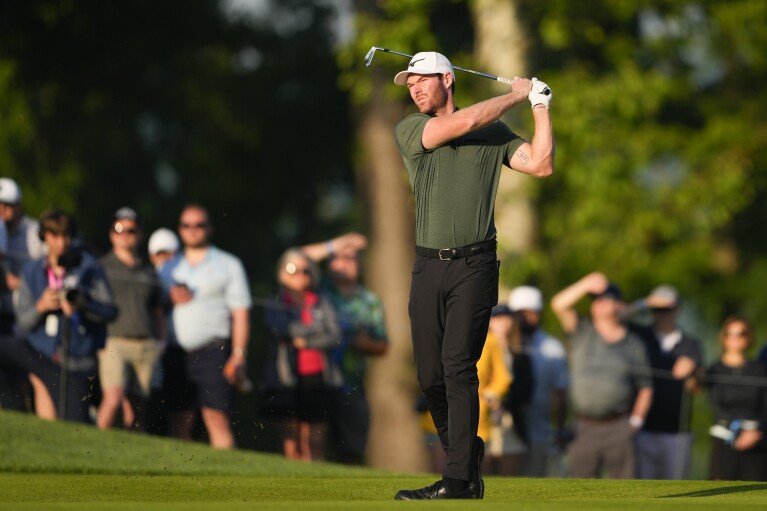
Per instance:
{"type": "Point", "coordinates": [719, 491]}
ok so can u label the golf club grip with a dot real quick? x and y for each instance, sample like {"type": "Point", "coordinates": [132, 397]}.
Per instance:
{"type": "Point", "coordinates": [501, 79]}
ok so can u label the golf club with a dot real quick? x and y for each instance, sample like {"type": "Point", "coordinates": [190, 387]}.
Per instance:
{"type": "Point", "coordinates": [371, 53]}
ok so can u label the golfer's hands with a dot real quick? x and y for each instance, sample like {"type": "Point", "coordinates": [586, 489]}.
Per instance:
{"type": "Point", "coordinates": [537, 95]}
{"type": "Point", "coordinates": [521, 85]}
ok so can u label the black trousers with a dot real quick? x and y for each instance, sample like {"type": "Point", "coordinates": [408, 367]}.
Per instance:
{"type": "Point", "coordinates": [450, 303]}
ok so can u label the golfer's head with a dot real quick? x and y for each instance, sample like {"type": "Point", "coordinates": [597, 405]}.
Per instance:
{"type": "Point", "coordinates": [430, 82]}
{"type": "Point", "coordinates": [425, 63]}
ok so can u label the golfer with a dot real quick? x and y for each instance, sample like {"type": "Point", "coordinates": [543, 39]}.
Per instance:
{"type": "Point", "coordinates": [453, 158]}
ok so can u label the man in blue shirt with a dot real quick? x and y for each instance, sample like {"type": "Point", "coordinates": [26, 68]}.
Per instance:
{"type": "Point", "coordinates": [208, 289]}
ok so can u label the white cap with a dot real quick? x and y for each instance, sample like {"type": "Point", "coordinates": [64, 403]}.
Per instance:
{"type": "Point", "coordinates": [664, 294]}
{"type": "Point", "coordinates": [163, 240]}
{"type": "Point", "coordinates": [526, 298]}
{"type": "Point", "coordinates": [9, 191]}
{"type": "Point", "coordinates": [425, 63]}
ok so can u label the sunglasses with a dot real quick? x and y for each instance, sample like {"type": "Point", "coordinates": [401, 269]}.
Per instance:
{"type": "Point", "coordinates": [736, 333]}
{"type": "Point", "coordinates": [121, 229]}
{"type": "Point", "coordinates": [201, 225]}
{"type": "Point", "coordinates": [292, 269]}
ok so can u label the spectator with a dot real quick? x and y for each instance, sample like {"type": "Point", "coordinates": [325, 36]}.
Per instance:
{"type": "Point", "coordinates": [299, 376]}
{"type": "Point", "coordinates": [64, 304]}
{"type": "Point", "coordinates": [24, 243]}
{"type": "Point", "coordinates": [135, 340]}
{"type": "Point", "coordinates": [737, 388]}
{"type": "Point", "coordinates": [361, 317]}
{"type": "Point", "coordinates": [163, 246]}
{"type": "Point", "coordinates": [507, 444]}
{"type": "Point", "coordinates": [550, 381]}
{"type": "Point", "coordinates": [611, 386]}
{"type": "Point", "coordinates": [13, 381]}
{"type": "Point", "coordinates": [494, 379]}
{"type": "Point", "coordinates": [211, 325]}
{"type": "Point", "coordinates": [664, 445]}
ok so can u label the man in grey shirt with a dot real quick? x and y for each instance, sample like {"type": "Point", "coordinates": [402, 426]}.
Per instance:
{"type": "Point", "coordinates": [611, 387]}
{"type": "Point", "coordinates": [135, 340]}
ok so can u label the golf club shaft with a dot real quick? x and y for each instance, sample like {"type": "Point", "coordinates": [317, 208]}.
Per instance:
{"type": "Point", "coordinates": [371, 53]}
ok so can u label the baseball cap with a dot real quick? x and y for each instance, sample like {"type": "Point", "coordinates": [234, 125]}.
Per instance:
{"type": "Point", "coordinates": [425, 63]}
{"type": "Point", "coordinates": [126, 213]}
{"type": "Point", "coordinates": [526, 298]}
{"type": "Point", "coordinates": [163, 240]}
{"type": "Point", "coordinates": [611, 291]}
{"type": "Point", "coordinates": [664, 293]}
{"type": "Point", "coordinates": [9, 191]}
{"type": "Point", "coordinates": [501, 310]}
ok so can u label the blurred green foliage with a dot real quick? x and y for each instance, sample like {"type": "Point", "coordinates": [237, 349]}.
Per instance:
{"type": "Point", "coordinates": [155, 104]}
{"type": "Point", "coordinates": [660, 152]}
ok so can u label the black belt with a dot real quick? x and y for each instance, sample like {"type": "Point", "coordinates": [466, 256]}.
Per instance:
{"type": "Point", "coordinates": [447, 254]}
{"type": "Point", "coordinates": [604, 418]}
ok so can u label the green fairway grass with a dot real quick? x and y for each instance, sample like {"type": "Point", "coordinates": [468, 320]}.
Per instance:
{"type": "Point", "coordinates": [45, 466]}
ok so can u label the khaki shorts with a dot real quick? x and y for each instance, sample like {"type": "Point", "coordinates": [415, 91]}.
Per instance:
{"type": "Point", "coordinates": [119, 353]}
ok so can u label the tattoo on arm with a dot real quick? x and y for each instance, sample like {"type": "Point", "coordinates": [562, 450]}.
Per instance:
{"type": "Point", "coordinates": [523, 156]}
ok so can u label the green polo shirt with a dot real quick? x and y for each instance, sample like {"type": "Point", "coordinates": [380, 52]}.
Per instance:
{"type": "Point", "coordinates": [455, 185]}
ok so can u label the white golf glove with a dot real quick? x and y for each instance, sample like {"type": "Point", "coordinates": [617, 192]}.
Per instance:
{"type": "Point", "coordinates": [537, 94]}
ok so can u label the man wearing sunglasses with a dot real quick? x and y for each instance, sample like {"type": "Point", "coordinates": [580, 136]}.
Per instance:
{"type": "Point", "coordinates": [209, 292]}
{"type": "Point", "coordinates": [664, 445]}
{"type": "Point", "coordinates": [135, 340]}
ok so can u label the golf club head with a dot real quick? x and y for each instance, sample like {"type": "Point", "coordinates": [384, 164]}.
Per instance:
{"type": "Point", "coordinates": [370, 55]}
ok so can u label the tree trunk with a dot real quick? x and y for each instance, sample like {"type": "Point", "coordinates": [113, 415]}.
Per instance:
{"type": "Point", "coordinates": [500, 47]}
{"type": "Point", "coordinates": [396, 440]}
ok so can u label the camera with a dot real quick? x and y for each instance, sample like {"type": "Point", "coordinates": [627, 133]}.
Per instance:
{"type": "Point", "coordinates": [72, 292]}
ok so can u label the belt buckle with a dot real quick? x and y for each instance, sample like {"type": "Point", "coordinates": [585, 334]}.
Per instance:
{"type": "Point", "coordinates": [444, 258]}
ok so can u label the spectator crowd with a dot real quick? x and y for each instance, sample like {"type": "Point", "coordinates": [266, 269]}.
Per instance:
{"type": "Point", "coordinates": [97, 338]}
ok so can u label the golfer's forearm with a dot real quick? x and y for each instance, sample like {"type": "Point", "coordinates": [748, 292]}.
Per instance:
{"type": "Point", "coordinates": [543, 149]}
{"type": "Point", "coordinates": [442, 129]}
{"type": "Point", "coordinates": [487, 112]}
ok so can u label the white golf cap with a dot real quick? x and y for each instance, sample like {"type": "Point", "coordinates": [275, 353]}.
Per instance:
{"type": "Point", "coordinates": [527, 298]}
{"type": "Point", "coordinates": [425, 63]}
{"type": "Point", "coordinates": [163, 240]}
{"type": "Point", "coordinates": [9, 191]}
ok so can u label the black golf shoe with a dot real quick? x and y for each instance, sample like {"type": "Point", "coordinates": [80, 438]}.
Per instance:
{"type": "Point", "coordinates": [477, 484]}
{"type": "Point", "coordinates": [438, 490]}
